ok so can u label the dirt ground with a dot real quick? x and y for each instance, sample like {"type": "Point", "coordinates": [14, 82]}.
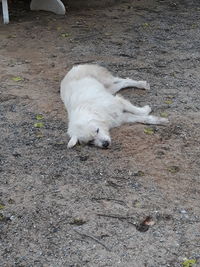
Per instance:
{"type": "Point", "coordinates": [136, 204]}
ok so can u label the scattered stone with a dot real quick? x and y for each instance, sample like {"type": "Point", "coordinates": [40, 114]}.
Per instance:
{"type": "Point", "coordinates": [144, 225]}
{"type": "Point", "coordinates": [84, 158]}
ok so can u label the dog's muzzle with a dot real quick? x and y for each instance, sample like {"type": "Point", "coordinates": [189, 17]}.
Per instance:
{"type": "Point", "coordinates": [105, 144]}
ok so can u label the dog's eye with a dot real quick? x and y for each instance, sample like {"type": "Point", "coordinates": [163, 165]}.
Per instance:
{"type": "Point", "coordinates": [97, 131]}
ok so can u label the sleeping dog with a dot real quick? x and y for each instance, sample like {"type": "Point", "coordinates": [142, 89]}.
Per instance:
{"type": "Point", "coordinates": [89, 94]}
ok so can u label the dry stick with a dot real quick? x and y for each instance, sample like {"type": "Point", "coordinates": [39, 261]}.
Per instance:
{"type": "Point", "coordinates": [109, 199]}
{"type": "Point", "coordinates": [119, 217]}
{"type": "Point", "coordinates": [115, 216]}
{"type": "Point", "coordinates": [142, 227]}
{"type": "Point", "coordinates": [93, 238]}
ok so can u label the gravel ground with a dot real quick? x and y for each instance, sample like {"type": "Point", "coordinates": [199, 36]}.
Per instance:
{"type": "Point", "coordinates": [135, 204]}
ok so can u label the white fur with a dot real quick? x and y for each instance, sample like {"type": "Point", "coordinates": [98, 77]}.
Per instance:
{"type": "Point", "coordinates": [88, 92]}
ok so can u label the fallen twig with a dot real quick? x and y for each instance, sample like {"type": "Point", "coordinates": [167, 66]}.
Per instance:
{"type": "Point", "coordinates": [115, 216]}
{"type": "Point", "coordinates": [109, 199]}
{"type": "Point", "coordinates": [142, 227]}
{"type": "Point", "coordinates": [93, 238]}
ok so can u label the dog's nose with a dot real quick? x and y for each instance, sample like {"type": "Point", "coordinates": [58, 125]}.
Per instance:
{"type": "Point", "coordinates": [105, 144]}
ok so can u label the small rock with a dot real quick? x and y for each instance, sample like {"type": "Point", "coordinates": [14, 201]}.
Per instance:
{"type": "Point", "coordinates": [183, 211]}
{"type": "Point", "coordinates": [83, 158]}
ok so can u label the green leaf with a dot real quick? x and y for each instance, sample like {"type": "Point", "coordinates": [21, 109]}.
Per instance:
{"type": "Point", "coordinates": [168, 101]}
{"type": "Point", "coordinates": [78, 221]}
{"type": "Point", "coordinates": [145, 25]}
{"type": "Point", "coordinates": [60, 143]}
{"type": "Point", "coordinates": [139, 173]}
{"type": "Point", "coordinates": [2, 206]}
{"type": "Point", "coordinates": [164, 114]}
{"type": "Point", "coordinates": [188, 263]}
{"type": "Point", "coordinates": [38, 124]}
{"type": "Point", "coordinates": [149, 131]}
{"type": "Point", "coordinates": [17, 79]}
{"type": "Point", "coordinates": [194, 26]}
{"type": "Point", "coordinates": [11, 201]}
{"type": "Point", "coordinates": [173, 169]}
{"type": "Point", "coordinates": [56, 79]}
{"type": "Point", "coordinates": [39, 117]}
{"type": "Point", "coordinates": [65, 35]}
{"type": "Point", "coordinates": [39, 135]}
{"type": "Point", "coordinates": [12, 36]}
{"type": "Point", "coordinates": [138, 204]}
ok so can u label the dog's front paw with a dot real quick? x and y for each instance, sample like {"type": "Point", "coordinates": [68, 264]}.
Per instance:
{"type": "Point", "coordinates": [145, 85]}
{"type": "Point", "coordinates": [150, 119]}
{"type": "Point", "coordinates": [146, 109]}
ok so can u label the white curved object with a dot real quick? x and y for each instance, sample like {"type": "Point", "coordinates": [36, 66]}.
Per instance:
{"type": "Point", "coordinates": [5, 11]}
{"type": "Point", "coordinates": [55, 6]}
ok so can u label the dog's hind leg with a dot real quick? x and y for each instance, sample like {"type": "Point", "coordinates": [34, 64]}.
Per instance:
{"type": "Point", "coordinates": [145, 119]}
{"type": "Point", "coordinates": [128, 107]}
{"type": "Point", "coordinates": [119, 83]}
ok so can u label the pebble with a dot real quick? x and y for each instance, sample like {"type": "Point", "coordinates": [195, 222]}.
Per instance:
{"type": "Point", "coordinates": [183, 211]}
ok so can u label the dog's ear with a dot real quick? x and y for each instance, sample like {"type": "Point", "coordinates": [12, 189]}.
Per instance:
{"type": "Point", "coordinates": [72, 142]}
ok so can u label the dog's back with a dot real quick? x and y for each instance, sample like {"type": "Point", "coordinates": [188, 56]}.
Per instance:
{"type": "Point", "coordinates": [82, 87]}
{"type": "Point", "coordinates": [101, 74]}
{"type": "Point", "coordinates": [87, 70]}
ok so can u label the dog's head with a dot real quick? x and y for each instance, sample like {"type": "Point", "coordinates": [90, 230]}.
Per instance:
{"type": "Point", "coordinates": [91, 133]}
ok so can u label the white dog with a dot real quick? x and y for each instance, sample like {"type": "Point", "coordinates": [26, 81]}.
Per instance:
{"type": "Point", "coordinates": [88, 92]}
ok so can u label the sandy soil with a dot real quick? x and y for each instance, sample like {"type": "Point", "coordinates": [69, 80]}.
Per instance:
{"type": "Point", "coordinates": [136, 204]}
